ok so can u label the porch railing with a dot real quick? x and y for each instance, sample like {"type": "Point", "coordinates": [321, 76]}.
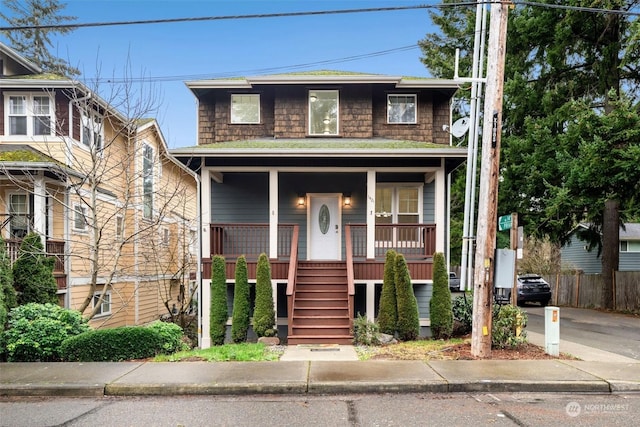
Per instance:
{"type": "Point", "coordinates": [250, 240]}
{"type": "Point", "coordinates": [414, 241]}
{"type": "Point", "coordinates": [54, 248]}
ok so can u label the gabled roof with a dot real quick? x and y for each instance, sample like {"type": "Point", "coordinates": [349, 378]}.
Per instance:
{"type": "Point", "coordinates": [24, 62]}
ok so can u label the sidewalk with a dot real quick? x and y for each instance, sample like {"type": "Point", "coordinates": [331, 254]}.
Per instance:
{"type": "Point", "coordinates": [323, 371]}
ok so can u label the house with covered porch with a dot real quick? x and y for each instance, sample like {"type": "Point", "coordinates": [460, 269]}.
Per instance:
{"type": "Point", "coordinates": [324, 172]}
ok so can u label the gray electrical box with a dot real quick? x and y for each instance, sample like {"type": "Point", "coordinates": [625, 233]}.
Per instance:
{"type": "Point", "coordinates": [505, 268]}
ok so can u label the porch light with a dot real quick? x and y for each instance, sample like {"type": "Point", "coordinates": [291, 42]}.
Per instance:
{"type": "Point", "coordinates": [347, 199]}
{"type": "Point", "coordinates": [301, 199]}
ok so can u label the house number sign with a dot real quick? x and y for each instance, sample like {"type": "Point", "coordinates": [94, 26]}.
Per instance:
{"type": "Point", "coordinates": [324, 218]}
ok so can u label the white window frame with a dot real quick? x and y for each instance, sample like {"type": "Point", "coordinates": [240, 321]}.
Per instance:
{"type": "Point", "coordinates": [79, 209]}
{"type": "Point", "coordinates": [148, 173]}
{"type": "Point", "coordinates": [119, 232]}
{"type": "Point", "coordinates": [630, 246]}
{"type": "Point", "coordinates": [29, 113]}
{"type": "Point", "coordinates": [25, 214]}
{"type": "Point", "coordinates": [314, 96]}
{"type": "Point", "coordinates": [402, 105]}
{"type": "Point", "coordinates": [94, 124]}
{"type": "Point", "coordinates": [248, 100]}
{"type": "Point", "coordinates": [106, 302]}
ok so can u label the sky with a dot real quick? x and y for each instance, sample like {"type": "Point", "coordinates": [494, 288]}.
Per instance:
{"type": "Point", "coordinates": [166, 55]}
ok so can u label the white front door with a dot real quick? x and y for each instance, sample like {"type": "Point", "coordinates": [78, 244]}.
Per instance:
{"type": "Point", "coordinates": [324, 235]}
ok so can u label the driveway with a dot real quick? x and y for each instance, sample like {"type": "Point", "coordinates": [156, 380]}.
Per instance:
{"type": "Point", "coordinates": [612, 332]}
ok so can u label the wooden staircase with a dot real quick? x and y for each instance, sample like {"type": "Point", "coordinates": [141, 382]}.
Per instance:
{"type": "Point", "coordinates": [320, 312]}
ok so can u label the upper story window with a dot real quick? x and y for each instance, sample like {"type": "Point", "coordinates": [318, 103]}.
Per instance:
{"type": "Point", "coordinates": [401, 109]}
{"type": "Point", "coordinates": [323, 112]}
{"type": "Point", "coordinates": [79, 218]}
{"type": "Point", "coordinates": [245, 108]}
{"type": "Point", "coordinates": [29, 114]}
{"type": "Point", "coordinates": [147, 181]}
{"type": "Point", "coordinates": [92, 132]}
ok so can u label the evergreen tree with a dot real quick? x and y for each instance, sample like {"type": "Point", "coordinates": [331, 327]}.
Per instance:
{"type": "Point", "coordinates": [264, 316]}
{"type": "Point", "coordinates": [388, 307]}
{"type": "Point", "coordinates": [240, 323]}
{"type": "Point", "coordinates": [35, 43]}
{"type": "Point", "coordinates": [33, 273]}
{"type": "Point", "coordinates": [6, 278]}
{"type": "Point", "coordinates": [219, 310]}
{"type": "Point", "coordinates": [408, 317]}
{"type": "Point", "coordinates": [440, 311]}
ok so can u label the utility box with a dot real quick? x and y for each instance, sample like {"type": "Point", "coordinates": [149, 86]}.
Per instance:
{"type": "Point", "coordinates": [552, 331]}
{"type": "Point", "coordinates": [505, 270]}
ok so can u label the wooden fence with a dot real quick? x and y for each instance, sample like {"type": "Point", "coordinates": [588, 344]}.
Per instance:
{"type": "Point", "coordinates": [585, 290]}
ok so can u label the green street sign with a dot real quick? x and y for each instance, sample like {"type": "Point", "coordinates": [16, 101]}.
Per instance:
{"type": "Point", "coordinates": [504, 222]}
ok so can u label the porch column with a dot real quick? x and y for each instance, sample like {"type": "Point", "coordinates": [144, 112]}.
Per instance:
{"type": "Point", "coordinates": [371, 214]}
{"type": "Point", "coordinates": [39, 206]}
{"type": "Point", "coordinates": [273, 214]}
{"type": "Point", "coordinates": [205, 242]}
{"type": "Point", "coordinates": [441, 208]}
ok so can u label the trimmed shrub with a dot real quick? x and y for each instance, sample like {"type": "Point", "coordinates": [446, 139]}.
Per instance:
{"type": "Point", "coordinates": [123, 343]}
{"type": "Point", "coordinates": [219, 311]}
{"type": "Point", "coordinates": [462, 309]}
{"type": "Point", "coordinates": [36, 331]}
{"type": "Point", "coordinates": [33, 273]}
{"type": "Point", "coordinates": [365, 332]}
{"type": "Point", "coordinates": [388, 307]}
{"type": "Point", "coordinates": [240, 323]}
{"type": "Point", "coordinates": [6, 279]}
{"type": "Point", "coordinates": [440, 305]}
{"type": "Point", "coordinates": [507, 319]}
{"type": "Point", "coordinates": [408, 317]}
{"type": "Point", "coordinates": [264, 315]}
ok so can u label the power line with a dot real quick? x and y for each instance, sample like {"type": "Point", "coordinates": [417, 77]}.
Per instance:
{"type": "Point", "coordinates": [71, 26]}
{"type": "Point", "coordinates": [259, 71]}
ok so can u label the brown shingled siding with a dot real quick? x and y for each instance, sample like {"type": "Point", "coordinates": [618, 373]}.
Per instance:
{"type": "Point", "coordinates": [290, 111]}
{"type": "Point", "coordinates": [356, 112]}
{"type": "Point", "coordinates": [421, 131]}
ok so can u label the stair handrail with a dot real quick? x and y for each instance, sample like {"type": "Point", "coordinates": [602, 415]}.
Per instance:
{"type": "Point", "coordinates": [351, 288]}
{"type": "Point", "coordinates": [291, 278]}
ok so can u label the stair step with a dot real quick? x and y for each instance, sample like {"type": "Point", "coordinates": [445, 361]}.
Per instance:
{"type": "Point", "coordinates": [320, 293]}
{"type": "Point", "coordinates": [321, 303]}
{"type": "Point", "coordinates": [321, 287]}
{"type": "Point", "coordinates": [323, 311]}
{"type": "Point", "coordinates": [320, 339]}
{"type": "Point", "coordinates": [320, 330]}
{"type": "Point", "coordinates": [340, 320]}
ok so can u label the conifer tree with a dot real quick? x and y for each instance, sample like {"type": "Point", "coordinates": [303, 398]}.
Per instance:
{"type": "Point", "coordinates": [33, 273]}
{"type": "Point", "coordinates": [388, 306]}
{"type": "Point", "coordinates": [408, 317]}
{"type": "Point", "coordinates": [240, 323]}
{"type": "Point", "coordinates": [219, 311]}
{"type": "Point", "coordinates": [264, 316]}
{"type": "Point", "coordinates": [440, 305]}
{"type": "Point", "coordinates": [6, 278]}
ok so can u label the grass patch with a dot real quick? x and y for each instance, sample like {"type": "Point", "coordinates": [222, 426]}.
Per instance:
{"type": "Point", "coordinates": [246, 352]}
{"type": "Point", "coordinates": [413, 350]}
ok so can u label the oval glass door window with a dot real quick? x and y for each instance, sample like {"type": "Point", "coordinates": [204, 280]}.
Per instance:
{"type": "Point", "coordinates": [324, 219]}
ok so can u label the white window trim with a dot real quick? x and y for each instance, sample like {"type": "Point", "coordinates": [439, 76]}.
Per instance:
{"type": "Point", "coordinates": [153, 180]}
{"type": "Point", "coordinates": [632, 246]}
{"type": "Point", "coordinates": [96, 296]}
{"type": "Point", "coordinates": [165, 236]}
{"type": "Point", "coordinates": [119, 231]}
{"type": "Point", "coordinates": [8, 209]}
{"type": "Point", "coordinates": [29, 114]}
{"type": "Point", "coordinates": [395, 199]}
{"type": "Point", "coordinates": [415, 101]}
{"type": "Point", "coordinates": [240, 122]}
{"type": "Point", "coordinates": [85, 121]}
{"type": "Point", "coordinates": [75, 212]}
{"type": "Point", "coordinates": [309, 103]}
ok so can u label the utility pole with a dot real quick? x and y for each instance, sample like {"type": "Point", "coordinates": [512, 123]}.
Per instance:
{"type": "Point", "coordinates": [489, 172]}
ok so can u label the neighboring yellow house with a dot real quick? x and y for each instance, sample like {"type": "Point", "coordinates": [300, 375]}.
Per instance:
{"type": "Point", "coordinates": [117, 211]}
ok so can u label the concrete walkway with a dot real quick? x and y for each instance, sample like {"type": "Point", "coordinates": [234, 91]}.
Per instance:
{"type": "Point", "coordinates": [323, 352]}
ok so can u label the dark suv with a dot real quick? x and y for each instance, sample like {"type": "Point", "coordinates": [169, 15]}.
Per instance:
{"type": "Point", "coordinates": [531, 288]}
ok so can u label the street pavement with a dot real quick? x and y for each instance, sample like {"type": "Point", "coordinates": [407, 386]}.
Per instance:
{"type": "Point", "coordinates": [305, 371]}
